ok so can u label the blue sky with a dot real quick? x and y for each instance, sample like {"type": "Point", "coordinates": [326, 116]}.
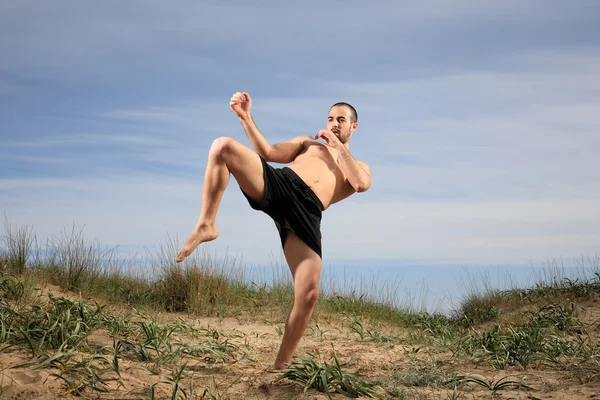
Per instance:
{"type": "Point", "coordinates": [479, 121]}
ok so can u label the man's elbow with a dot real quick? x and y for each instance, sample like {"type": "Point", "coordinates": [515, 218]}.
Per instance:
{"type": "Point", "coordinates": [363, 186]}
{"type": "Point", "coordinates": [277, 157]}
{"type": "Point", "coordinates": [280, 154]}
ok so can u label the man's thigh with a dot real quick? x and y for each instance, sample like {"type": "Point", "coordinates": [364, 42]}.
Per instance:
{"type": "Point", "coordinates": [304, 263]}
{"type": "Point", "coordinates": [247, 168]}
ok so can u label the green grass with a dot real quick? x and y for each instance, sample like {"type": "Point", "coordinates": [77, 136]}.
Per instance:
{"type": "Point", "coordinates": [329, 377]}
{"type": "Point", "coordinates": [501, 384]}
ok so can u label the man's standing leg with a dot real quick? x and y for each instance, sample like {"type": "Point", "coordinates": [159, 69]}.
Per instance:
{"type": "Point", "coordinates": [226, 156]}
{"type": "Point", "coordinates": [305, 266]}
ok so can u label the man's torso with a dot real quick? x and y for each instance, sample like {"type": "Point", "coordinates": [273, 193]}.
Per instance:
{"type": "Point", "coordinates": [317, 165]}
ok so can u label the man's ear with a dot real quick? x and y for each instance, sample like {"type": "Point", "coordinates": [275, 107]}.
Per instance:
{"type": "Point", "coordinates": [354, 126]}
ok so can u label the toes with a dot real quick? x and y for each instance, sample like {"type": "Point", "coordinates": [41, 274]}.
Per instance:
{"type": "Point", "coordinates": [182, 255]}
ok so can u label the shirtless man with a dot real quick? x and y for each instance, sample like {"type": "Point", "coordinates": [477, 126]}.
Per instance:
{"type": "Point", "coordinates": [321, 173]}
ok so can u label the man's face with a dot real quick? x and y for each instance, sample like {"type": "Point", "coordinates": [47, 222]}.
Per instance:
{"type": "Point", "coordinates": [339, 121]}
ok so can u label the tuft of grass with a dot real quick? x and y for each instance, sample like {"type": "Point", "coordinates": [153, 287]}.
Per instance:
{"type": "Point", "coordinates": [440, 327]}
{"type": "Point", "coordinates": [178, 388]}
{"type": "Point", "coordinates": [58, 324]}
{"type": "Point", "coordinates": [509, 346]}
{"type": "Point", "coordinates": [11, 287]}
{"type": "Point", "coordinates": [17, 244]}
{"type": "Point", "coordinates": [562, 317]}
{"type": "Point", "coordinates": [501, 384]}
{"type": "Point", "coordinates": [365, 334]}
{"type": "Point", "coordinates": [482, 309]}
{"type": "Point", "coordinates": [91, 373]}
{"type": "Point", "coordinates": [482, 302]}
{"type": "Point", "coordinates": [579, 355]}
{"type": "Point", "coordinates": [329, 378]}
{"type": "Point", "coordinates": [71, 259]}
{"type": "Point", "coordinates": [583, 289]}
{"type": "Point", "coordinates": [421, 374]}
{"type": "Point", "coordinates": [555, 282]}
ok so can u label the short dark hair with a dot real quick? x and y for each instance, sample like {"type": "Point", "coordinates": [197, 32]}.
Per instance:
{"type": "Point", "coordinates": [353, 113]}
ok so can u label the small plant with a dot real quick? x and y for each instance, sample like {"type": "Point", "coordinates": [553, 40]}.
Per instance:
{"type": "Point", "coordinates": [560, 316]}
{"type": "Point", "coordinates": [60, 323]}
{"type": "Point", "coordinates": [436, 326]}
{"type": "Point", "coordinates": [89, 373]}
{"type": "Point", "coordinates": [366, 334]}
{"type": "Point", "coordinates": [11, 287]}
{"type": "Point", "coordinates": [577, 355]}
{"type": "Point", "coordinates": [317, 331]}
{"type": "Point", "coordinates": [421, 374]}
{"type": "Point", "coordinates": [328, 378]}
{"type": "Point", "coordinates": [494, 386]}
{"type": "Point", "coordinates": [475, 315]}
{"type": "Point", "coordinates": [510, 346]}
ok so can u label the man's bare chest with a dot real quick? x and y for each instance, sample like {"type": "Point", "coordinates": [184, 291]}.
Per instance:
{"type": "Point", "coordinates": [315, 148]}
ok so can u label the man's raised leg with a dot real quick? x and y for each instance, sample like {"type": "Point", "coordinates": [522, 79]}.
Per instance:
{"type": "Point", "coordinates": [305, 266]}
{"type": "Point", "coordinates": [226, 156]}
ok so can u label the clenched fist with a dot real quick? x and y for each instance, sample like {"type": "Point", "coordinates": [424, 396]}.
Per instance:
{"type": "Point", "coordinates": [240, 104]}
{"type": "Point", "coordinates": [330, 137]}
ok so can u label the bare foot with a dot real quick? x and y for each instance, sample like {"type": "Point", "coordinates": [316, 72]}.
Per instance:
{"type": "Point", "coordinates": [201, 234]}
{"type": "Point", "coordinates": [279, 365]}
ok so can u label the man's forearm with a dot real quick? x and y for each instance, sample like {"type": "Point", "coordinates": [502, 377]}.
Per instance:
{"type": "Point", "coordinates": [357, 176]}
{"type": "Point", "coordinates": [257, 140]}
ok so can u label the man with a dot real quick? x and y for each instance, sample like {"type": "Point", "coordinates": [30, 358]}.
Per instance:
{"type": "Point", "coordinates": [321, 173]}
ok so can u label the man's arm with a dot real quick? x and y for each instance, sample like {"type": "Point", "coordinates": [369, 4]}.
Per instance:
{"type": "Point", "coordinates": [284, 152]}
{"type": "Point", "coordinates": [257, 140]}
{"type": "Point", "coordinates": [357, 172]}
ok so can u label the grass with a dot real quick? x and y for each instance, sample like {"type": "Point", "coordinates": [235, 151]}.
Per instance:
{"type": "Point", "coordinates": [539, 328]}
{"type": "Point", "coordinates": [329, 377]}
{"type": "Point", "coordinates": [421, 374]}
{"type": "Point", "coordinates": [203, 284]}
{"type": "Point", "coordinates": [17, 244]}
{"type": "Point", "coordinates": [501, 384]}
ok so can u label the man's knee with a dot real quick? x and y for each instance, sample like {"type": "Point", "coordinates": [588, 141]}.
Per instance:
{"type": "Point", "coordinates": [308, 298]}
{"type": "Point", "coordinates": [222, 147]}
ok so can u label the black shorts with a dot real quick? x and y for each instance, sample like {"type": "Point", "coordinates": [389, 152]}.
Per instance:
{"type": "Point", "coordinates": [292, 205]}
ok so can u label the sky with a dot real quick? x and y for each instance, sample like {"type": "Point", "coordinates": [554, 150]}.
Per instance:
{"type": "Point", "coordinates": [479, 121]}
